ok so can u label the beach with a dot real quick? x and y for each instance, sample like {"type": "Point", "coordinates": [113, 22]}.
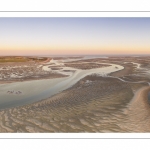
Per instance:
{"type": "Point", "coordinates": [90, 96]}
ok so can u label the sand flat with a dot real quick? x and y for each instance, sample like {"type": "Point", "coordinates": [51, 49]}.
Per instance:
{"type": "Point", "coordinates": [89, 100]}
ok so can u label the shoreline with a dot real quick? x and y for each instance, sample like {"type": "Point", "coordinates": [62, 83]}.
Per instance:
{"type": "Point", "coordinates": [31, 79]}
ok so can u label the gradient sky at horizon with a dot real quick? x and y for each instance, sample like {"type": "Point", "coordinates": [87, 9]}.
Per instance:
{"type": "Point", "coordinates": [74, 36]}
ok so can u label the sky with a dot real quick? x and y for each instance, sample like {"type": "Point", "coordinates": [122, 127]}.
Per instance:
{"type": "Point", "coordinates": [74, 36]}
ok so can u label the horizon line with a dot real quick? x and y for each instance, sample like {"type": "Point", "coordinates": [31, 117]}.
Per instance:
{"type": "Point", "coordinates": [80, 55]}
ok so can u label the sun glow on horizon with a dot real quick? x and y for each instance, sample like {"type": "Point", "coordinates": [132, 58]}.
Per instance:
{"type": "Point", "coordinates": [76, 36]}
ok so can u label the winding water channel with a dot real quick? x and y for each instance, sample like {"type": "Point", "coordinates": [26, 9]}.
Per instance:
{"type": "Point", "coordinates": [36, 90]}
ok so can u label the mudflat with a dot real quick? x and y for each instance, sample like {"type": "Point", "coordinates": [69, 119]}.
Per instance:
{"type": "Point", "coordinates": [81, 95]}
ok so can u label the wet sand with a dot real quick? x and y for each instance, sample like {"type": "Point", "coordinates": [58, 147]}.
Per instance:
{"type": "Point", "coordinates": [138, 112]}
{"type": "Point", "coordinates": [93, 103]}
{"type": "Point", "coordinates": [126, 71]}
{"type": "Point", "coordinates": [85, 66]}
{"type": "Point", "coordinates": [89, 106]}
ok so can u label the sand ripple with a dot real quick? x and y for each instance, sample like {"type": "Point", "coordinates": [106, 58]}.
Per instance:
{"type": "Point", "coordinates": [95, 106]}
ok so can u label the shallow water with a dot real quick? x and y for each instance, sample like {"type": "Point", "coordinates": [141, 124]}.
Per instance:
{"type": "Point", "coordinates": [41, 89]}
